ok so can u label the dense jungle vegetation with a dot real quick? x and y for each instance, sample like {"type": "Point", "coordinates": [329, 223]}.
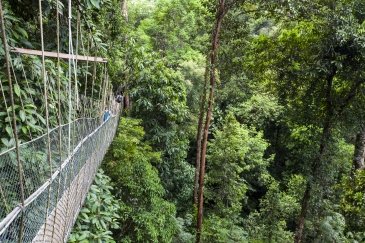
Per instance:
{"type": "Point", "coordinates": [260, 103]}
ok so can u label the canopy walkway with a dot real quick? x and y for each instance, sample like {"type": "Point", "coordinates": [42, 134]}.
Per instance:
{"type": "Point", "coordinates": [44, 180]}
{"type": "Point", "coordinates": [52, 204]}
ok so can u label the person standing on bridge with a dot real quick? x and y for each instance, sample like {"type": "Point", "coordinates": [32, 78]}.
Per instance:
{"type": "Point", "coordinates": [106, 114]}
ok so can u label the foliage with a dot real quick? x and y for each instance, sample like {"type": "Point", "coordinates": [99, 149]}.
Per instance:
{"type": "Point", "coordinates": [332, 229]}
{"type": "Point", "coordinates": [183, 235]}
{"type": "Point", "coordinates": [22, 29]}
{"type": "Point", "coordinates": [175, 29]}
{"type": "Point", "coordinates": [314, 84]}
{"type": "Point", "coordinates": [99, 215]}
{"type": "Point", "coordinates": [241, 152]}
{"type": "Point", "coordinates": [259, 110]}
{"type": "Point", "coordinates": [222, 229]}
{"type": "Point", "coordinates": [288, 104]}
{"type": "Point", "coordinates": [276, 209]}
{"type": "Point", "coordinates": [352, 201]}
{"type": "Point", "coordinates": [159, 99]}
{"type": "Point", "coordinates": [145, 215]}
{"type": "Point", "coordinates": [236, 164]}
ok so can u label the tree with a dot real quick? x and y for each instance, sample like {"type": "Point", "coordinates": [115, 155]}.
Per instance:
{"type": "Point", "coordinates": [359, 154]}
{"type": "Point", "coordinates": [99, 215]}
{"type": "Point", "coordinates": [323, 83]}
{"type": "Point", "coordinates": [236, 165]}
{"type": "Point", "coordinates": [220, 13]}
{"type": "Point", "coordinates": [145, 215]}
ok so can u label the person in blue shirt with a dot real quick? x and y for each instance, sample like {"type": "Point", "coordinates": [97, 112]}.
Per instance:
{"type": "Point", "coordinates": [106, 115]}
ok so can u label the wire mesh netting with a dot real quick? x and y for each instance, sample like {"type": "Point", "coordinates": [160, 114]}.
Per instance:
{"type": "Point", "coordinates": [54, 191]}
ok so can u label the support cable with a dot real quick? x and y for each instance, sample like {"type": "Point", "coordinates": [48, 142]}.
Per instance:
{"type": "Point", "coordinates": [93, 81]}
{"type": "Point", "coordinates": [78, 176]}
{"type": "Point", "coordinates": [45, 90]}
{"type": "Point", "coordinates": [25, 76]}
{"type": "Point", "coordinates": [7, 208]}
{"type": "Point", "coordinates": [101, 90]}
{"type": "Point", "coordinates": [15, 132]}
{"type": "Point", "coordinates": [76, 62]}
{"type": "Point", "coordinates": [59, 113]}
{"type": "Point", "coordinates": [86, 179]}
{"type": "Point", "coordinates": [6, 103]}
{"type": "Point", "coordinates": [70, 63]}
{"type": "Point", "coordinates": [20, 94]}
{"type": "Point", "coordinates": [87, 68]}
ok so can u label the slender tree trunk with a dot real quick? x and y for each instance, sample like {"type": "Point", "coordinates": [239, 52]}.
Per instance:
{"type": "Point", "coordinates": [307, 193]}
{"type": "Point", "coordinates": [326, 133]}
{"type": "Point", "coordinates": [126, 100]}
{"type": "Point", "coordinates": [199, 136]}
{"type": "Point", "coordinates": [359, 154]}
{"type": "Point", "coordinates": [303, 215]}
{"type": "Point", "coordinates": [124, 7]}
{"type": "Point", "coordinates": [221, 11]}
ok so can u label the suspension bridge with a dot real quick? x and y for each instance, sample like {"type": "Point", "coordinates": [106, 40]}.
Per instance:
{"type": "Point", "coordinates": [44, 181]}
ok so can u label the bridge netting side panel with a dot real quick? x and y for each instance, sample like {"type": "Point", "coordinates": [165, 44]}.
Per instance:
{"type": "Point", "coordinates": [55, 194]}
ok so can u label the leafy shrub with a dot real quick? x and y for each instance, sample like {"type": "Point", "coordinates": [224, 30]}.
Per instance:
{"type": "Point", "coordinates": [99, 215]}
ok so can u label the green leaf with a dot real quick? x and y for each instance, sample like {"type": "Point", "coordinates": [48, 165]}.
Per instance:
{"type": "Point", "coordinates": [24, 129]}
{"type": "Point", "coordinates": [41, 118]}
{"type": "Point", "coordinates": [17, 90]}
{"type": "Point", "coordinates": [5, 142]}
{"type": "Point", "coordinates": [95, 3]}
{"type": "Point", "coordinates": [22, 31]}
{"type": "Point", "coordinates": [9, 130]}
{"type": "Point", "coordinates": [22, 115]}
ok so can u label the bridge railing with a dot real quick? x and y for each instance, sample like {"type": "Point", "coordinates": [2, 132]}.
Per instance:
{"type": "Point", "coordinates": [55, 193]}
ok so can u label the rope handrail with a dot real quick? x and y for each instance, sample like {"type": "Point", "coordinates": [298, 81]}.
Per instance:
{"type": "Point", "coordinates": [45, 134]}
{"type": "Point", "coordinates": [51, 182]}
{"type": "Point", "coordinates": [10, 217]}
{"type": "Point", "coordinates": [44, 181]}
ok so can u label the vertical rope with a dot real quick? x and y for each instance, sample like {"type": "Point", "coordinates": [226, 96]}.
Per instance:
{"type": "Point", "coordinates": [87, 69]}
{"type": "Point", "coordinates": [69, 77]}
{"type": "Point", "coordinates": [45, 90]}
{"type": "Point", "coordinates": [15, 132]}
{"type": "Point", "coordinates": [27, 83]}
{"type": "Point", "coordinates": [59, 115]}
{"type": "Point", "coordinates": [93, 79]}
{"type": "Point", "coordinates": [88, 163]}
{"type": "Point", "coordinates": [111, 97]}
{"type": "Point", "coordinates": [84, 181]}
{"type": "Point", "coordinates": [104, 89]}
{"type": "Point", "coordinates": [76, 61]}
{"type": "Point", "coordinates": [5, 102]}
{"type": "Point", "coordinates": [28, 86]}
{"type": "Point", "coordinates": [101, 92]}
{"type": "Point", "coordinates": [73, 210]}
{"type": "Point", "coordinates": [21, 100]}
{"type": "Point", "coordinates": [25, 76]}
{"type": "Point", "coordinates": [70, 62]}
{"type": "Point", "coordinates": [7, 208]}
{"type": "Point", "coordinates": [101, 85]}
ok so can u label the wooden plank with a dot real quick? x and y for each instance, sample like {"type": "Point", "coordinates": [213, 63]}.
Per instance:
{"type": "Point", "coordinates": [61, 55]}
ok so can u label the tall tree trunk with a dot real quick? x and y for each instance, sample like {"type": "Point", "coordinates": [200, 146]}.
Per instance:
{"type": "Point", "coordinates": [199, 136]}
{"type": "Point", "coordinates": [359, 154]}
{"type": "Point", "coordinates": [315, 168]}
{"type": "Point", "coordinates": [326, 133]}
{"type": "Point", "coordinates": [124, 7]}
{"type": "Point", "coordinates": [220, 13]}
{"type": "Point", "coordinates": [126, 100]}
{"type": "Point", "coordinates": [303, 214]}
